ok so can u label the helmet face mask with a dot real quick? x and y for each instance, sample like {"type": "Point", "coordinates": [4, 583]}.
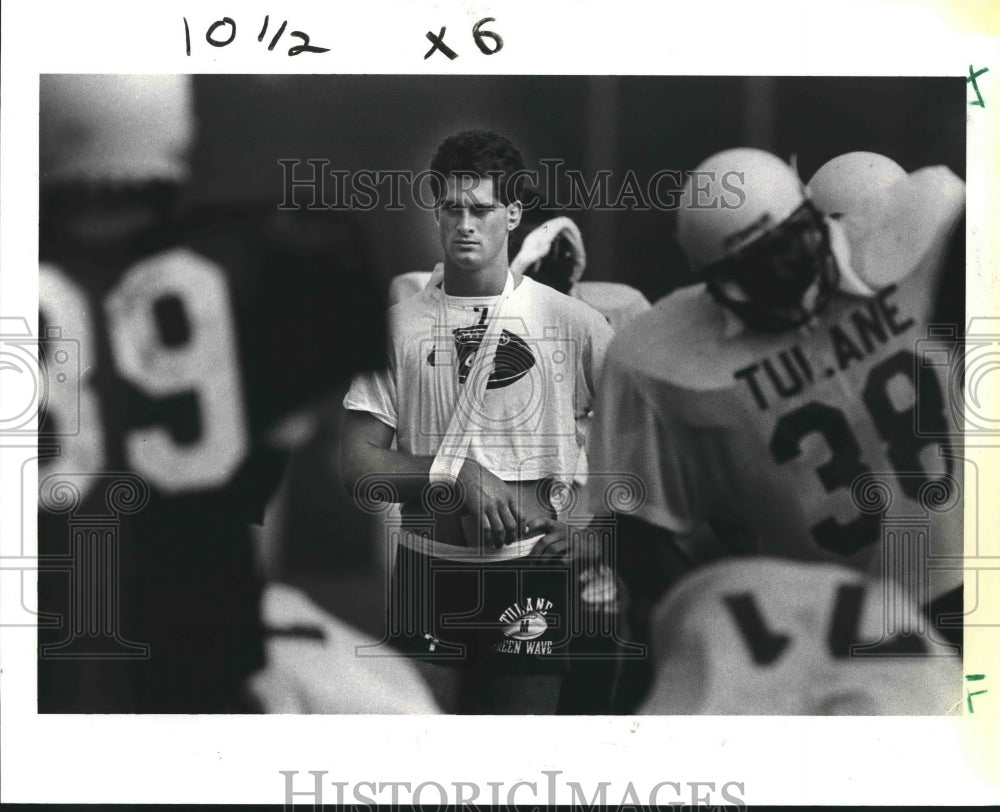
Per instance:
{"type": "Point", "coordinates": [556, 269]}
{"type": "Point", "coordinates": [781, 280]}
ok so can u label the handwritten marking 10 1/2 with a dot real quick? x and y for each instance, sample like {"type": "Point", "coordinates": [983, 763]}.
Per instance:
{"type": "Point", "coordinates": [222, 32]}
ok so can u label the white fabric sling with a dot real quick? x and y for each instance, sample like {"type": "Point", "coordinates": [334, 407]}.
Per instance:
{"type": "Point", "coordinates": [452, 452]}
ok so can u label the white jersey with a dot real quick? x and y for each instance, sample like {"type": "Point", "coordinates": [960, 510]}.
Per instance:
{"type": "Point", "coordinates": [785, 443]}
{"type": "Point", "coordinates": [766, 636]}
{"type": "Point", "coordinates": [317, 663]}
{"type": "Point", "coordinates": [543, 381]}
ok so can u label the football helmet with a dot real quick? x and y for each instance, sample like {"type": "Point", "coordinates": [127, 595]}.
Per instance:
{"type": "Point", "coordinates": [114, 128]}
{"type": "Point", "coordinates": [763, 249]}
{"type": "Point", "coordinates": [553, 254]}
{"type": "Point", "coordinates": [840, 186]}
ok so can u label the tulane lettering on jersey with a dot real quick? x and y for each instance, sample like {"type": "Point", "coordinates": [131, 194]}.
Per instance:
{"type": "Point", "coordinates": [860, 334]}
{"type": "Point", "coordinates": [804, 443]}
{"type": "Point", "coordinates": [838, 409]}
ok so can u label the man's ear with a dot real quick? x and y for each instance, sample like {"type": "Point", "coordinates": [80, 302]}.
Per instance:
{"type": "Point", "coordinates": [514, 212]}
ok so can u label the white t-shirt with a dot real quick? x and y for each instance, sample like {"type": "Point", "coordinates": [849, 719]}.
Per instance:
{"type": "Point", "coordinates": [618, 303]}
{"type": "Point", "coordinates": [543, 381]}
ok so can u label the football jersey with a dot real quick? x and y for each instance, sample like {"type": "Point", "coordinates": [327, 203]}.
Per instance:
{"type": "Point", "coordinates": [806, 444]}
{"type": "Point", "coordinates": [168, 357]}
{"type": "Point", "coordinates": [317, 663]}
{"type": "Point", "coordinates": [773, 637]}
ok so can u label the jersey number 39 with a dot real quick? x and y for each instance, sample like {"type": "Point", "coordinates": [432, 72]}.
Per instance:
{"type": "Point", "coordinates": [204, 363]}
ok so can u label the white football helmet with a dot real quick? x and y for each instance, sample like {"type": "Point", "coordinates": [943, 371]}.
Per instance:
{"type": "Point", "coordinates": [840, 185]}
{"type": "Point", "coordinates": [114, 128]}
{"type": "Point", "coordinates": [764, 636]}
{"type": "Point", "coordinates": [553, 254]}
{"type": "Point", "coordinates": [749, 229]}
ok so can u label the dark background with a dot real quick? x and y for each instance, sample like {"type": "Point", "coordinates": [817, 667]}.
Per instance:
{"type": "Point", "coordinates": [643, 123]}
{"type": "Point", "coordinates": [248, 123]}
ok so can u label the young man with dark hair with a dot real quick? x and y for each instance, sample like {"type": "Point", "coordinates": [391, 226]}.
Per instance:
{"type": "Point", "coordinates": [474, 447]}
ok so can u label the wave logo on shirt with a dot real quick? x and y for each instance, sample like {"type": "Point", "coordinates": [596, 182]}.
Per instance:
{"type": "Point", "coordinates": [513, 360]}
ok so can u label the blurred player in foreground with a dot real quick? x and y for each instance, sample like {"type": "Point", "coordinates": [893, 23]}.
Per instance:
{"type": "Point", "coordinates": [316, 663]}
{"type": "Point", "coordinates": [775, 637]}
{"type": "Point", "coordinates": [471, 428]}
{"type": "Point", "coordinates": [196, 338]}
{"type": "Point", "coordinates": [777, 407]}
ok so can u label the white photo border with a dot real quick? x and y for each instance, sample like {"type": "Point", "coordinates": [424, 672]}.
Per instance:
{"type": "Point", "coordinates": [188, 759]}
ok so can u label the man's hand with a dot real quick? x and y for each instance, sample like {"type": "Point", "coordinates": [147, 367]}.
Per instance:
{"type": "Point", "coordinates": [563, 542]}
{"type": "Point", "coordinates": [488, 499]}
{"type": "Point", "coordinates": [554, 545]}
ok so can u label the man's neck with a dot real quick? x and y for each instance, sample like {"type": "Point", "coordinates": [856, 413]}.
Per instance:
{"type": "Point", "coordinates": [488, 281]}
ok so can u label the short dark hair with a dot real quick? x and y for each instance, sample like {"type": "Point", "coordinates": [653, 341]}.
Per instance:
{"type": "Point", "coordinates": [480, 154]}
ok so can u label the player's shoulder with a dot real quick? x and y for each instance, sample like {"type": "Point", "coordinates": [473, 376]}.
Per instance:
{"type": "Point", "coordinates": [577, 313]}
{"type": "Point", "coordinates": [410, 313]}
{"type": "Point", "coordinates": [405, 285]}
{"type": "Point", "coordinates": [617, 302]}
{"type": "Point", "coordinates": [937, 207]}
{"type": "Point", "coordinates": [597, 293]}
{"type": "Point", "coordinates": [681, 340]}
{"type": "Point", "coordinates": [419, 301]}
{"type": "Point", "coordinates": [906, 229]}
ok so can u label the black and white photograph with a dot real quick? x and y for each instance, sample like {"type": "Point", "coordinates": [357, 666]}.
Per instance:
{"type": "Point", "coordinates": [719, 478]}
{"type": "Point", "coordinates": [579, 403]}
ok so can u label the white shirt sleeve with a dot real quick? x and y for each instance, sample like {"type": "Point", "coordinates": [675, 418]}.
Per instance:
{"type": "Point", "coordinates": [598, 338]}
{"type": "Point", "coordinates": [641, 462]}
{"type": "Point", "coordinates": [375, 393]}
